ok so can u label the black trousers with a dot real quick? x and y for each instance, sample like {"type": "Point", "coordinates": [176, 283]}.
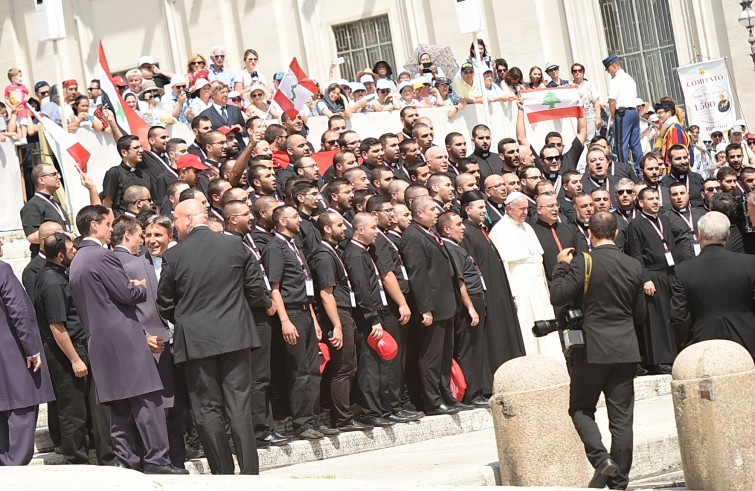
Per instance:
{"type": "Point", "coordinates": [262, 410]}
{"type": "Point", "coordinates": [616, 381]}
{"type": "Point", "coordinates": [369, 369]}
{"type": "Point", "coordinates": [77, 404]}
{"type": "Point", "coordinates": [177, 418]}
{"type": "Point", "coordinates": [435, 354]}
{"type": "Point", "coordinates": [219, 391]}
{"type": "Point", "coordinates": [469, 348]}
{"type": "Point", "coordinates": [302, 370]}
{"type": "Point", "coordinates": [391, 373]}
{"type": "Point", "coordinates": [343, 368]}
{"type": "Point", "coordinates": [406, 358]}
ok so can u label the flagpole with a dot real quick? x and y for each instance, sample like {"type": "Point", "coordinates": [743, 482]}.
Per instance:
{"type": "Point", "coordinates": [480, 76]}
{"type": "Point", "coordinates": [270, 104]}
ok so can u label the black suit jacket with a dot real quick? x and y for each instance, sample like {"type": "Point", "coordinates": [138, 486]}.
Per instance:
{"type": "Point", "coordinates": [207, 285]}
{"type": "Point", "coordinates": [713, 298]}
{"type": "Point", "coordinates": [614, 302]}
{"type": "Point", "coordinates": [432, 279]}
{"type": "Point", "coordinates": [234, 117]}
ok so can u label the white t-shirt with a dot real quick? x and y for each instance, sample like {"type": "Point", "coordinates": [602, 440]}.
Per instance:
{"type": "Point", "coordinates": [623, 89]}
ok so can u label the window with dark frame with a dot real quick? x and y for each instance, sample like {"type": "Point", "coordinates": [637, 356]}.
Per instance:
{"type": "Point", "coordinates": [363, 43]}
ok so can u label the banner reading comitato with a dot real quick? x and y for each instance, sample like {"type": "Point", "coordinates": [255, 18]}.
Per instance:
{"type": "Point", "coordinates": [708, 96]}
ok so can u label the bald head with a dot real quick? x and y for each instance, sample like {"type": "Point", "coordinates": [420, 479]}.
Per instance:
{"type": "Point", "coordinates": [192, 207]}
{"type": "Point", "coordinates": [47, 229]}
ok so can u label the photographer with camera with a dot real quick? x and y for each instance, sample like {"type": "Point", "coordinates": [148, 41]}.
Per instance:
{"type": "Point", "coordinates": [608, 285]}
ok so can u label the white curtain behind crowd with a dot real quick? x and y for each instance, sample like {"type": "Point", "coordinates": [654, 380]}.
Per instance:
{"type": "Point", "coordinates": [500, 117]}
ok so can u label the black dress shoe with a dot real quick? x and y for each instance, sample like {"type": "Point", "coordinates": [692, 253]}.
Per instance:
{"type": "Point", "coordinates": [354, 425]}
{"type": "Point", "coordinates": [605, 469]}
{"type": "Point", "coordinates": [376, 421]}
{"type": "Point", "coordinates": [410, 415]}
{"type": "Point", "coordinates": [194, 453]}
{"type": "Point", "coordinates": [480, 402]}
{"type": "Point", "coordinates": [327, 431]}
{"type": "Point", "coordinates": [641, 372]}
{"type": "Point", "coordinates": [462, 406]}
{"type": "Point", "coordinates": [275, 439]}
{"type": "Point", "coordinates": [443, 409]}
{"type": "Point", "coordinates": [660, 369]}
{"type": "Point", "coordinates": [397, 419]}
{"type": "Point", "coordinates": [163, 469]}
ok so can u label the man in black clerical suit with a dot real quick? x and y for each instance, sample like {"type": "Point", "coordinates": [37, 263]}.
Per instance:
{"type": "Point", "coordinates": [432, 281]}
{"type": "Point", "coordinates": [503, 336]}
{"type": "Point", "coordinates": [214, 335]}
{"type": "Point", "coordinates": [678, 155]}
{"type": "Point", "coordinates": [650, 240]}
{"type": "Point", "coordinates": [612, 299]}
{"type": "Point", "coordinates": [712, 294]}
{"type": "Point", "coordinates": [554, 236]}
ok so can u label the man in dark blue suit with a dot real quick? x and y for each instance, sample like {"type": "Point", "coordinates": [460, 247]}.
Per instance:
{"type": "Point", "coordinates": [223, 114]}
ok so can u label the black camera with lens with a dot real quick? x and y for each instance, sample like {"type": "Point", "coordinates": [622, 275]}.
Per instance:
{"type": "Point", "coordinates": [569, 327]}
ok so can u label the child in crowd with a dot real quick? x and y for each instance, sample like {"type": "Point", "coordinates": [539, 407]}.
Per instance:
{"type": "Point", "coordinates": [17, 94]}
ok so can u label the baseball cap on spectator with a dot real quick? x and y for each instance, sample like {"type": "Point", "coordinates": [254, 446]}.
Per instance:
{"type": "Point", "coordinates": [735, 129]}
{"type": "Point", "coordinates": [403, 85]}
{"type": "Point", "coordinates": [721, 147]}
{"type": "Point", "coordinates": [442, 80]}
{"type": "Point", "coordinates": [233, 94]}
{"type": "Point", "coordinates": [361, 76]}
{"type": "Point", "coordinates": [256, 87]}
{"type": "Point", "coordinates": [424, 80]}
{"type": "Point", "coordinates": [190, 161]}
{"type": "Point", "coordinates": [466, 66]}
{"type": "Point", "coordinates": [383, 84]}
{"type": "Point", "coordinates": [717, 132]}
{"type": "Point", "coordinates": [750, 137]}
{"type": "Point", "coordinates": [278, 76]}
{"type": "Point", "coordinates": [417, 83]}
{"type": "Point", "coordinates": [549, 65]}
{"type": "Point", "coordinates": [227, 129]}
{"type": "Point", "coordinates": [119, 82]}
{"type": "Point", "coordinates": [366, 79]}
{"type": "Point", "coordinates": [403, 72]}
{"type": "Point", "coordinates": [653, 118]}
{"type": "Point", "coordinates": [177, 80]}
{"type": "Point", "coordinates": [385, 347]}
{"type": "Point", "coordinates": [740, 122]}
{"type": "Point", "coordinates": [39, 85]}
{"type": "Point", "coordinates": [146, 60]}
{"type": "Point", "coordinates": [356, 86]}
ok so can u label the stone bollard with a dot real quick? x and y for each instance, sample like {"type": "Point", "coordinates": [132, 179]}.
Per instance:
{"type": "Point", "coordinates": [537, 442]}
{"type": "Point", "coordinates": [713, 387]}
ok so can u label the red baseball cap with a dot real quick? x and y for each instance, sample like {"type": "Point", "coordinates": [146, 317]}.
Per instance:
{"type": "Point", "coordinates": [191, 161]}
{"type": "Point", "coordinates": [324, 355]}
{"type": "Point", "coordinates": [227, 129]}
{"type": "Point", "coordinates": [386, 346]}
{"type": "Point", "coordinates": [119, 82]}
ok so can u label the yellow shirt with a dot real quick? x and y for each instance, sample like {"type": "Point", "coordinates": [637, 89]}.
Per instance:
{"type": "Point", "coordinates": [466, 91]}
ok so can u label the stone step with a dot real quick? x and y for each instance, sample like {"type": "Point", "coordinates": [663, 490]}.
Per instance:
{"type": "Point", "coordinates": [15, 250]}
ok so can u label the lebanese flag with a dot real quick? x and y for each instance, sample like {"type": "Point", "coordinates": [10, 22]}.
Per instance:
{"type": "Point", "coordinates": [64, 142]}
{"type": "Point", "coordinates": [294, 90]}
{"type": "Point", "coordinates": [552, 103]}
{"type": "Point", "coordinates": [129, 122]}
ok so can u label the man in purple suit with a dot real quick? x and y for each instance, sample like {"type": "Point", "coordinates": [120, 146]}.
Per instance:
{"type": "Point", "coordinates": [122, 364]}
{"type": "Point", "coordinates": [26, 383]}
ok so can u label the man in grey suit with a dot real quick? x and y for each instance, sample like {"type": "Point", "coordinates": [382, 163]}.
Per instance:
{"type": "Point", "coordinates": [126, 374]}
{"type": "Point", "coordinates": [207, 288]}
{"type": "Point", "coordinates": [609, 287]}
{"type": "Point", "coordinates": [126, 239]}
{"type": "Point", "coordinates": [26, 382]}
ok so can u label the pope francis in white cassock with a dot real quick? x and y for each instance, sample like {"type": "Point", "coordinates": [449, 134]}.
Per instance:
{"type": "Point", "coordinates": [523, 259]}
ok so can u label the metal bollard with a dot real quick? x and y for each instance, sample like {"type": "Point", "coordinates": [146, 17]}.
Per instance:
{"type": "Point", "coordinates": [537, 442]}
{"type": "Point", "coordinates": [713, 387]}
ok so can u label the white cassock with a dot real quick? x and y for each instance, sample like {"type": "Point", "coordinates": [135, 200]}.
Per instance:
{"type": "Point", "coordinates": [523, 259]}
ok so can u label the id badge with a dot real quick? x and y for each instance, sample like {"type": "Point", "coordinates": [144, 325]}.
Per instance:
{"type": "Point", "coordinates": [267, 282]}
{"type": "Point", "coordinates": [309, 285]}
{"type": "Point", "coordinates": [482, 280]}
{"type": "Point", "coordinates": [353, 300]}
{"type": "Point", "coordinates": [403, 272]}
{"type": "Point", "coordinates": [696, 248]}
{"type": "Point", "coordinates": [669, 258]}
{"type": "Point", "coordinates": [383, 299]}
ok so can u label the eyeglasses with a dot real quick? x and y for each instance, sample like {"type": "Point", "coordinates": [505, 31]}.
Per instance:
{"type": "Point", "coordinates": [89, 89]}
{"type": "Point", "coordinates": [577, 70]}
{"type": "Point", "coordinates": [53, 174]}
{"type": "Point", "coordinates": [554, 158]}
{"type": "Point", "coordinates": [711, 189]}
{"type": "Point", "coordinates": [179, 87]}
{"type": "Point", "coordinates": [236, 99]}
{"type": "Point", "coordinates": [496, 186]}
{"type": "Point", "coordinates": [310, 166]}
{"type": "Point", "coordinates": [218, 143]}
{"type": "Point", "coordinates": [145, 199]}
{"type": "Point", "coordinates": [257, 95]}
{"type": "Point", "coordinates": [331, 142]}
{"type": "Point", "coordinates": [218, 56]}
{"type": "Point", "coordinates": [622, 192]}
{"type": "Point", "coordinates": [387, 210]}
{"type": "Point", "coordinates": [45, 93]}
{"type": "Point", "coordinates": [198, 62]}
{"type": "Point", "coordinates": [384, 91]}
{"type": "Point", "coordinates": [467, 72]}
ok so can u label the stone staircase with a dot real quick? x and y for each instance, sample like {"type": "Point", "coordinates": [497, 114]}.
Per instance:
{"type": "Point", "coordinates": [655, 442]}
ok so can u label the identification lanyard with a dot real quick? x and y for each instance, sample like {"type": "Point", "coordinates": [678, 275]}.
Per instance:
{"type": "Point", "coordinates": [555, 237]}
{"type": "Point", "coordinates": [691, 225]}
{"type": "Point", "coordinates": [493, 207]}
{"type": "Point", "coordinates": [252, 246]}
{"type": "Point", "coordinates": [309, 284]}
{"type": "Point", "coordinates": [352, 297]}
{"type": "Point", "coordinates": [586, 235]}
{"type": "Point", "coordinates": [599, 185]}
{"type": "Point", "coordinates": [398, 253]}
{"type": "Point", "coordinates": [58, 209]}
{"type": "Point", "coordinates": [383, 298]}
{"type": "Point", "coordinates": [346, 222]}
{"type": "Point", "coordinates": [659, 230]}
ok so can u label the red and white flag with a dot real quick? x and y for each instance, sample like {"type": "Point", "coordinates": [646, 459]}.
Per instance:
{"type": "Point", "coordinates": [552, 103]}
{"type": "Point", "coordinates": [294, 90]}
{"type": "Point", "coordinates": [62, 141]}
{"type": "Point", "coordinates": [129, 122]}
